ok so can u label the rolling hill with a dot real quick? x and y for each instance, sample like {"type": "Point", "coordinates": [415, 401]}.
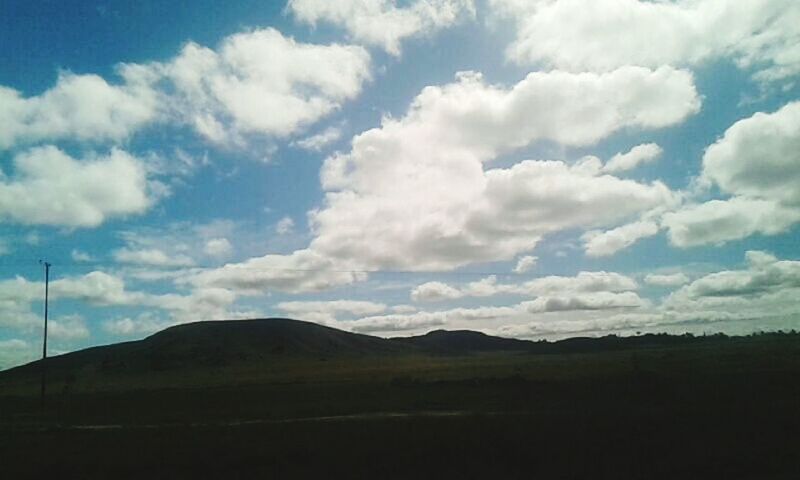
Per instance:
{"type": "Point", "coordinates": [220, 344]}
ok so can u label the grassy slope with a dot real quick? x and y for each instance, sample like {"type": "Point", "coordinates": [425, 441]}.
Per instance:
{"type": "Point", "coordinates": [718, 410]}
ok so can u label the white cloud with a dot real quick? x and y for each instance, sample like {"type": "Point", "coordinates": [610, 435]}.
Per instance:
{"type": "Point", "coordinates": [583, 282]}
{"type": "Point", "coordinates": [602, 244]}
{"type": "Point", "coordinates": [485, 287]}
{"type": "Point", "coordinates": [767, 287]}
{"type": "Point", "coordinates": [327, 311]}
{"type": "Point", "coordinates": [261, 82]}
{"type": "Point", "coordinates": [51, 188]}
{"type": "Point", "coordinates": [601, 35]}
{"type": "Point", "coordinates": [176, 245]}
{"type": "Point", "coordinates": [255, 82]}
{"type": "Point", "coordinates": [667, 280]}
{"type": "Point", "coordinates": [403, 308]}
{"type": "Point", "coordinates": [82, 107]}
{"type": "Point", "coordinates": [757, 161]}
{"type": "Point", "coordinates": [434, 292]}
{"type": "Point", "coordinates": [101, 289]}
{"type": "Point", "coordinates": [596, 303]}
{"type": "Point", "coordinates": [719, 221]}
{"type": "Point", "coordinates": [550, 286]}
{"type": "Point", "coordinates": [565, 327]}
{"type": "Point", "coordinates": [96, 288]}
{"type": "Point", "coordinates": [301, 271]}
{"type": "Point", "coordinates": [382, 22]}
{"type": "Point", "coordinates": [376, 215]}
{"type": "Point", "coordinates": [414, 194]}
{"type": "Point", "coordinates": [423, 321]}
{"type": "Point", "coordinates": [584, 301]}
{"type": "Point", "coordinates": [526, 264]}
{"type": "Point", "coordinates": [152, 257]}
{"type": "Point", "coordinates": [645, 153]}
{"type": "Point", "coordinates": [284, 226]}
{"type": "Point", "coordinates": [396, 323]}
{"type": "Point", "coordinates": [759, 157]}
{"type": "Point", "coordinates": [68, 328]}
{"type": "Point", "coordinates": [317, 142]}
{"type": "Point", "coordinates": [218, 247]}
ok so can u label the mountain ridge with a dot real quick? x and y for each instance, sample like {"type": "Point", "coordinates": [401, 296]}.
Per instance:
{"type": "Point", "coordinates": [224, 342]}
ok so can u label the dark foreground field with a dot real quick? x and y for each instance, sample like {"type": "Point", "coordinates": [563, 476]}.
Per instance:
{"type": "Point", "coordinates": [728, 408]}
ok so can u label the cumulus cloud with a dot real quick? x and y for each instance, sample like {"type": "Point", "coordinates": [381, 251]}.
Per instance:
{"type": "Point", "coordinates": [585, 301]}
{"type": "Point", "coordinates": [582, 282]}
{"type": "Point", "coordinates": [602, 244]}
{"type": "Point", "coordinates": [563, 327]}
{"type": "Point", "coordinates": [424, 321]}
{"type": "Point", "coordinates": [101, 289]}
{"type": "Point", "coordinates": [373, 216]}
{"type": "Point", "coordinates": [373, 212]}
{"type": "Point", "coordinates": [284, 226]}
{"type": "Point", "coordinates": [396, 323]}
{"type": "Point", "coordinates": [82, 107]}
{"type": "Point", "coordinates": [256, 82]}
{"type": "Point", "coordinates": [51, 188]}
{"type": "Point", "coordinates": [169, 250]}
{"type": "Point", "coordinates": [719, 221]}
{"type": "Point", "coordinates": [526, 264]}
{"type": "Point", "coordinates": [481, 317]}
{"type": "Point", "coordinates": [766, 287]}
{"type": "Point", "coordinates": [435, 291]}
{"type": "Point", "coordinates": [601, 35]}
{"type": "Point", "coordinates": [68, 328]}
{"type": "Point", "coordinates": [152, 257]}
{"type": "Point", "coordinates": [666, 280]}
{"type": "Point", "coordinates": [645, 153]}
{"type": "Point", "coordinates": [383, 22]}
{"type": "Point", "coordinates": [320, 140]}
{"type": "Point", "coordinates": [757, 162]}
{"type": "Point", "coordinates": [759, 157]}
{"type": "Point", "coordinates": [261, 82]}
{"type": "Point", "coordinates": [326, 311]}
{"type": "Point", "coordinates": [598, 303]}
{"type": "Point", "coordinates": [218, 247]}
{"type": "Point", "coordinates": [550, 286]}
{"type": "Point", "coordinates": [301, 271]}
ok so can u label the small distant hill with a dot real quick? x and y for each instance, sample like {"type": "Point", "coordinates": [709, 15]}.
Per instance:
{"type": "Point", "coordinates": [463, 342]}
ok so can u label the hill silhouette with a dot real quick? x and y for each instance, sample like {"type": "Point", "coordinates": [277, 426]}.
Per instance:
{"type": "Point", "coordinates": [221, 343]}
{"type": "Point", "coordinates": [464, 342]}
{"type": "Point", "coordinates": [272, 397]}
{"type": "Point", "coordinates": [217, 344]}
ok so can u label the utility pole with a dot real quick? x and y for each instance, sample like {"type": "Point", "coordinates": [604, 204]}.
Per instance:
{"type": "Point", "coordinates": [44, 343]}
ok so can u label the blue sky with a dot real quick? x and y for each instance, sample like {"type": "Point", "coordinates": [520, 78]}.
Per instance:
{"type": "Point", "coordinates": [536, 169]}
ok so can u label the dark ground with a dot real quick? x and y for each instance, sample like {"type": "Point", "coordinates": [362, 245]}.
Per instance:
{"type": "Point", "coordinates": [727, 409]}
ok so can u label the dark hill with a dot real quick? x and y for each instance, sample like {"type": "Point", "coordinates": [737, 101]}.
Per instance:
{"type": "Point", "coordinates": [214, 344]}
{"type": "Point", "coordinates": [220, 343]}
{"type": "Point", "coordinates": [463, 342]}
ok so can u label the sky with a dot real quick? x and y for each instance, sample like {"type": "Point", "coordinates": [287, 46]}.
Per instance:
{"type": "Point", "coordinates": [527, 168]}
